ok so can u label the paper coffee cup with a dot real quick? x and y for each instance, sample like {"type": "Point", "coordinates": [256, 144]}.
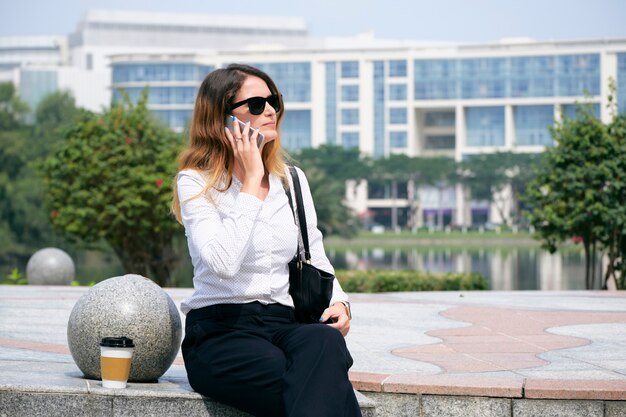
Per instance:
{"type": "Point", "coordinates": [116, 354]}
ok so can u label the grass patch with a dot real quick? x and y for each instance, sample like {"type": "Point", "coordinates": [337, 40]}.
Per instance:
{"type": "Point", "coordinates": [375, 281]}
{"type": "Point", "coordinates": [440, 234]}
{"type": "Point", "coordinates": [424, 238]}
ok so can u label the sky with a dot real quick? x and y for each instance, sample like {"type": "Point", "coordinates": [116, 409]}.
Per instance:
{"type": "Point", "coordinates": [435, 20]}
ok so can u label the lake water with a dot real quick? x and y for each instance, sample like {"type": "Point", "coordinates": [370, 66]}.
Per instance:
{"type": "Point", "coordinates": [505, 268]}
{"type": "Point", "coordinates": [527, 268]}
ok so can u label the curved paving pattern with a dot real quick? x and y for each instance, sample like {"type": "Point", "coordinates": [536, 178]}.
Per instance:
{"type": "Point", "coordinates": [501, 339]}
{"type": "Point", "coordinates": [564, 345]}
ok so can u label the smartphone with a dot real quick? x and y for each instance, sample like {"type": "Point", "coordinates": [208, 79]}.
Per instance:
{"type": "Point", "coordinates": [260, 139]}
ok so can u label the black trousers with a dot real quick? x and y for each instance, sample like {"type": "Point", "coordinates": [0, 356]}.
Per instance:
{"type": "Point", "coordinates": [258, 359]}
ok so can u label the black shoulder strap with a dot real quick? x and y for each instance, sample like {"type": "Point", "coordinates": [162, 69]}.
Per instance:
{"type": "Point", "coordinates": [300, 209]}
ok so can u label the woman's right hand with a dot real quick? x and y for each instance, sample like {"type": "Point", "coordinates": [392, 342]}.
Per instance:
{"type": "Point", "coordinates": [248, 163]}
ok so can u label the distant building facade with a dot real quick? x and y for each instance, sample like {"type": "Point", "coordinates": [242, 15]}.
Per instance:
{"type": "Point", "coordinates": [32, 63]}
{"type": "Point", "coordinates": [454, 101]}
{"type": "Point", "coordinates": [81, 62]}
{"type": "Point", "coordinates": [382, 97]}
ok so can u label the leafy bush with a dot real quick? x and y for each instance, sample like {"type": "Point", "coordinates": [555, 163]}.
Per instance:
{"type": "Point", "coordinates": [406, 280]}
{"type": "Point", "coordinates": [15, 278]}
{"type": "Point", "coordinates": [109, 182]}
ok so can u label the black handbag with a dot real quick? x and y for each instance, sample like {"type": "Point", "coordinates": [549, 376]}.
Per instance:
{"type": "Point", "coordinates": [310, 288]}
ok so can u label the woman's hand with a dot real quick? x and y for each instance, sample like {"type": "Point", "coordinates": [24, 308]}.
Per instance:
{"type": "Point", "coordinates": [339, 319]}
{"type": "Point", "coordinates": [248, 163]}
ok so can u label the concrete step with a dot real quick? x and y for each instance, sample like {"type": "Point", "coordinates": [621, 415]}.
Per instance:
{"type": "Point", "coordinates": [59, 389]}
{"type": "Point", "coordinates": [129, 403]}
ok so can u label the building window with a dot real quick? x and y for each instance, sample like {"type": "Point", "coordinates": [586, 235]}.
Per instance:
{"type": "Point", "coordinates": [174, 119]}
{"type": "Point", "coordinates": [350, 93]}
{"type": "Point", "coordinates": [485, 126]}
{"type": "Point", "coordinates": [439, 142]}
{"type": "Point", "coordinates": [397, 68]}
{"type": "Point", "coordinates": [35, 85]}
{"type": "Point", "coordinates": [331, 103]}
{"type": "Point", "coordinates": [483, 77]}
{"type": "Point", "coordinates": [571, 111]}
{"type": "Point", "coordinates": [295, 130]}
{"type": "Point", "coordinates": [128, 73]}
{"type": "Point", "coordinates": [397, 92]}
{"type": "Point", "coordinates": [182, 73]}
{"type": "Point", "coordinates": [435, 79]}
{"type": "Point", "coordinates": [529, 76]}
{"type": "Point", "coordinates": [578, 75]}
{"type": "Point", "coordinates": [398, 116]}
{"type": "Point", "coordinates": [532, 76]}
{"type": "Point", "coordinates": [440, 119]}
{"type": "Point", "coordinates": [532, 125]}
{"type": "Point", "coordinates": [350, 140]}
{"type": "Point", "coordinates": [161, 95]}
{"type": "Point", "coordinates": [183, 95]}
{"type": "Point", "coordinates": [621, 83]}
{"type": "Point", "coordinates": [349, 116]}
{"type": "Point", "coordinates": [292, 78]}
{"type": "Point", "coordinates": [379, 108]}
{"type": "Point", "coordinates": [203, 71]}
{"type": "Point", "coordinates": [350, 69]}
{"type": "Point", "coordinates": [398, 140]}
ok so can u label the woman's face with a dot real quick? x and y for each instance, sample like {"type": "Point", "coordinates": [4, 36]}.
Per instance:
{"type": "Point", "coordinates": [266, 121]}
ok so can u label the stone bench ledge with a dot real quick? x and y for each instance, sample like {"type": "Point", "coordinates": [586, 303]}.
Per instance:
{"type": "Point", "coordinates": [481, 386]}
{"type": "Point", "coordinates": [51, 389]}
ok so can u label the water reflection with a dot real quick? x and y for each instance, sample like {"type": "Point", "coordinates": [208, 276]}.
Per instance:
{"type": "Point", "coordinates": [505, 268]}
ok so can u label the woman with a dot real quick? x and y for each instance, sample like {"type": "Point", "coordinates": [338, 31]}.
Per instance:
{"type": "Point", "coordinates": [242, 345]}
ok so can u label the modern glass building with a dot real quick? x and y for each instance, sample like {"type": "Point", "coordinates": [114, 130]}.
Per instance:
{"type": "Point", "coordinates": [82, 58]}
{"type": "Point", "coordinates": [20, 51]}
{"type": "Point", "coordinates": [477, 98]}
{"type": "Point", "coordinates": [382, 97]}
{"type": "Point", "coordinates": [454, 101]}
{"type": "Point", "coordinates": [171, 87]}
{"type": "Point", "coordinates": [31, 63]}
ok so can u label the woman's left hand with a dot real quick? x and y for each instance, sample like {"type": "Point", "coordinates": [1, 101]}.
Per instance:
{"type": "Point", "coordinates": [336, 316]}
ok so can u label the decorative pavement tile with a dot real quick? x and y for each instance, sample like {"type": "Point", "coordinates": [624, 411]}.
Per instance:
{"type": "Point", "coordinates": [504, 331]}
{"type": "Point", "coordinates": [575, 389]}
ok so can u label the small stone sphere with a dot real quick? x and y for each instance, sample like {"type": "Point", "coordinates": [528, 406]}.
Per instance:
{"type": "Point", "coordinates": [131, 306]}
{"type": "Point", "coordinates": [50, 266]}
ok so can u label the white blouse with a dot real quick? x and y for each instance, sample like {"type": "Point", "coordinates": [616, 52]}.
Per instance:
{"type": "Point", "coordinates": [240, 245]}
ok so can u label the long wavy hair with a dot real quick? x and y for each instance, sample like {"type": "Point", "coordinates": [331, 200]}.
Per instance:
{"type": "Point", "coordinates": [209, 151]}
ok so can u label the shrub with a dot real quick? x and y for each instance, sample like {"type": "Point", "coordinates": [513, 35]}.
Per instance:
{"type": "Point", "coordinates": [406, 280]}
{"type": "Point", "coordinates": [109, 182]}
{"type": "Point", "coordinates": [15, 278]}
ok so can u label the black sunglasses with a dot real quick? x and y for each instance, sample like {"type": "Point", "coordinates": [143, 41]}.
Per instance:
{"type": "Point", "coordinates": [256, 105]}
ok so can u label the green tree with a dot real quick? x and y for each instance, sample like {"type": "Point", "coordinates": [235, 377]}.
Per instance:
{"type": "Point", "coordinates": [395, 169]}
{"type": "Point", "coordinates": [14, 146]}
{"type": "Point", "coordinates": [110, 181]}
{"type": "Point", "coordinates": [579, 191]}
{"type": "Point", "coordinates": [522, 171]}
{"type": "Point", "coordinates": [56, 109]}
{"type": "Point", "coordinates": [24, 220]}
{"type": "Point", "coordinates": [53, 115]}
{"type": "Point", "coordinates": [333, 217]}
{"type": "Point", "coordinates": [337, 162]}
{"type": "Point", "coordinates": [12, 109]}
{"type": "Point", "coordinates": [328, 167]}
{"type": "Point", "coordinates": [486, 176]}
{"type": "Point", "coordinates": [439, 172]}
{"type": "Point", "coordinates": [614, 237]}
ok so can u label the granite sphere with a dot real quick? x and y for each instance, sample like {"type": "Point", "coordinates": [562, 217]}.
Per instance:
{"type": "Point", "coordinates": [131, 306]}
{"type": "Point", "coordinates": [50, 266]}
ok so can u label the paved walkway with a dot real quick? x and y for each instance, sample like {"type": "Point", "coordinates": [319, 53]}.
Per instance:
{"type": "Point", "coordinates": [559, 345]}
